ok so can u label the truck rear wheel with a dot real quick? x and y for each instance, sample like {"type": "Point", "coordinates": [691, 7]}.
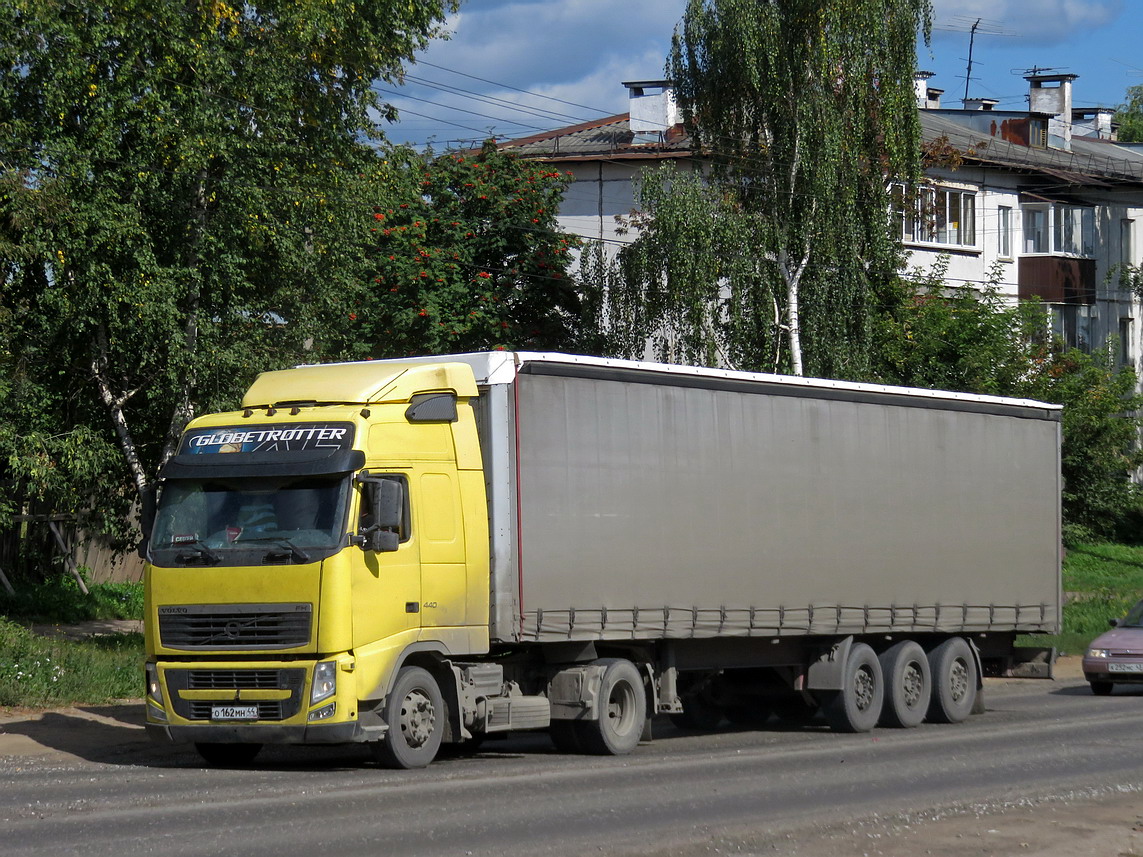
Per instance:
{"type": "Point", "coordinates": [857, 706]}
{"type": "Point", "coordinates": [415, 712]}
{"type": "Point", "coordinates": [228, 755]}
{"type": "Point", "coordinates": [622, 711]}
{"type": "Point", "coordinates": [905, 669]}
{"type": "Point", "coordinates": [954, 681]}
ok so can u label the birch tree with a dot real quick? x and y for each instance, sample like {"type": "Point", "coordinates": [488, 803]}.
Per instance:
{"type": "Point", "coordinates": [805, 109]}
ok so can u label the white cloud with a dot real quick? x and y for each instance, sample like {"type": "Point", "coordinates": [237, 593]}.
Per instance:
{"type": "Point", "coordinates": [578, 51]}
{"type": "Point", "coordinates": [1042, 22]}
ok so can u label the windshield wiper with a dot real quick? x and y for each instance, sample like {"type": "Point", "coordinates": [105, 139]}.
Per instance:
{"type": "Point", "coordinates": [295, 551]}
{"type": "Point", "coordinates": [200, 550]}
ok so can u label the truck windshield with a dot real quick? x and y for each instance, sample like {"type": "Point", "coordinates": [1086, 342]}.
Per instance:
{"type": "Point", "coordinates": [249, 521]}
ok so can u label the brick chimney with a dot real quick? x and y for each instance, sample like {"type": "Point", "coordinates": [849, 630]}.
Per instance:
{"type": "Point", "coordinates": [653, 109]}
{"type": "Point", "coordinates": [927, 97]}
{"type": "Point", "coordinates": [1052, 94]}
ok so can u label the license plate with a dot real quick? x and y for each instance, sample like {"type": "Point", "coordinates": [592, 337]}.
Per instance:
{"type": "Point", "coordinates": [234, 712]}
{"type": "Point", "coordinates": [1125, 668]}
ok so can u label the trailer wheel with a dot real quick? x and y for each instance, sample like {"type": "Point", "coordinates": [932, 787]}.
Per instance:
{"type": "Point", "coordinates": [623, 710]}
{"type": "Point", "coordinates": [905, 669]}
{"type": "Point", "coordinates": [415, 712]}
{"type": "Point", "coordinates": [954, 681]}
{"type": "Point", "coordinates": [228, 755]}
{"type": "Point", "coordinates": [857, 706]}
{"type": "Point", "coordinates": [1101, 688]}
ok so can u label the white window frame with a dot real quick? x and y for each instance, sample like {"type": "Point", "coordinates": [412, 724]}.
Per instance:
{"type": "Point", "coordinates": [937, 216]}
{"type": "Point", "coordinates": [1004, 231]}
{"type": "Point", "coordinates": [1058, 229]}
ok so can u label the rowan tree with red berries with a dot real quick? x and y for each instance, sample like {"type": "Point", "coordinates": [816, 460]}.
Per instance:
{"type": "Point", "coordinates": [468, 257]}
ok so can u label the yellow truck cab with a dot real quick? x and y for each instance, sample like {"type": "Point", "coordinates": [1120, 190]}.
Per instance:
{"type": "Point", "coordinates": [434, 550]}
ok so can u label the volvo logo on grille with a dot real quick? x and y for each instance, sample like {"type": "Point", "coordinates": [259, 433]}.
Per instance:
{"type": "Point", "coordinates": [232, 629]}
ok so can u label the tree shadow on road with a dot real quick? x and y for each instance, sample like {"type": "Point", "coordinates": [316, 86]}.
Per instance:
{"type": "Point", "coordinates": [108, 734]}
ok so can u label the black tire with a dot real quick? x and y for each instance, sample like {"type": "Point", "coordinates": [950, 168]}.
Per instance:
{"type": "Point", "coordinates": [565, 735]}
{"type": "Point", "coordinates": [622, 711]}
{"type": "Point", "coordinates": [228, 755]}
{"type": "Point", "coordinates": [1102, 688]}
{"type": "Point", "coordinates": [955, 681]}
{"type": "Point", "coordinates": [415, 713]}
{"type": "Point", "coordinates": [699, 714]}
{"type": "Point", "coordinates": [908, 686]}
{"type": "Point", "coordinates": [857, 706]}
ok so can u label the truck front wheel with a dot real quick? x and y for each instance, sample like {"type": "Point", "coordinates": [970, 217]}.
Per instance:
{"type": "Point", "coordinates": [416, 715]}
{"type": "Point", "coordinates": [622, 710]}
{"type": "Point", "coordinates": [857, 706]}
{"type": "Point", "coordinates": [954, 681]}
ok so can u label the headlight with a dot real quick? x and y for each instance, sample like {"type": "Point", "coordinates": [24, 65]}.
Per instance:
{"type": "Point", "coordinates": [325, 681]}
{"type": "Point", "coordinates": [1098, 653]}
{"type": "Point", "coordinates": [154, 687]}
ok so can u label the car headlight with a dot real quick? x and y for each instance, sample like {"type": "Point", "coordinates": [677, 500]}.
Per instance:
{"type": "Point", "coordinates": [1098, 653]}
{"type": "Point", "coordinates": [325, 681]}
{"type": "Point", "coordinates": [154, 686]}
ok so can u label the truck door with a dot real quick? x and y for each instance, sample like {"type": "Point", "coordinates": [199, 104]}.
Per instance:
{"type": "Point", "coordinates": [386, 586]}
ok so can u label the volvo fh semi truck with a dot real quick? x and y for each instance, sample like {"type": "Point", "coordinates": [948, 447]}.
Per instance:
{"type": "Point", "coordinates": [410, 553]}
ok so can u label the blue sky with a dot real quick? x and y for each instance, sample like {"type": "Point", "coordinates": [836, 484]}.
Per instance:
{"type": "Point", "coordinates": [515, 67]}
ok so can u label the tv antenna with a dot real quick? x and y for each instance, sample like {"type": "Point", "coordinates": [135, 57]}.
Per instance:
{"type": "Point", "coordinates": [973, 26]}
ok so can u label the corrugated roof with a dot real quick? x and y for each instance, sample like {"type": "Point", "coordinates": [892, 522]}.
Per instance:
{"type": "Point", "coordinates": [603, 139]}
{"type": "Point", "coordinates": [1090, 163]}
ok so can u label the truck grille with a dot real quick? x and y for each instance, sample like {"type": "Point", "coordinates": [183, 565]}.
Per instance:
{"type": "Point", "coordinates": [232, 679]}
{"type": "Point", "coordinates": [293, 680]}
{"type": "Point", "coordinates": [235, 626]}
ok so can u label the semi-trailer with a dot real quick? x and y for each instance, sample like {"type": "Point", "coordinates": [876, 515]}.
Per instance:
{"type": "Point", "coordinates": [437, 550]}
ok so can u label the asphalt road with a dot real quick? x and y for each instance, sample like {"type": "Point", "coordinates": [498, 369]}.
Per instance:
{"type": "Point", "coordinates": [86, 782]}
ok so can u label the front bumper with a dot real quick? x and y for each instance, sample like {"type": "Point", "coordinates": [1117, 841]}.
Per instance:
{"type": "Point", "coordinates": [315, 733]}
{"type": "Point", "coordinates": [184, 698]}
{"type": "Point", "coordinates": [1101, 669]}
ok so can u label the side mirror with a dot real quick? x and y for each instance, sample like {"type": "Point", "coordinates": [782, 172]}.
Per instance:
{"type": "Point", "coordinates": [382, 515]}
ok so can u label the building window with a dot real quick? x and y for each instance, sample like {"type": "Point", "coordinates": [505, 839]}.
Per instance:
{"type": "Point", "coordinates": [1073, 324]}
{"type": "Point", "coordinates": [1035, 229]}
{"type": "Point", "coordinates": [1125, 356]}
{"type": "Point", "coordinates": [1126, 242]}
{"type": "Point", "coordinates": [1004, 232]}
{"type": "Point", "coordinates": [1064, 229]}
{"type": "Point", "coordinates": [1074, 232]}
{"type": "Point", "coordinates": [936, 216]}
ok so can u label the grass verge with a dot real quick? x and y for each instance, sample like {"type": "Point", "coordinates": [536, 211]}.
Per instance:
{"type": "Point", "coordinates": [1101, 582]}
{"type": "Point", "coordinates": [59, 600]}
{"type": "Point", "coordinates": [41, 672]}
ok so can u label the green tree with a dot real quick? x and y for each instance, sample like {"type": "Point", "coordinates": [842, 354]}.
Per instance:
{"type": "Point", "coordinates": [805, 108]}
{"type": "Point", "coordinates": [184, 189]}
{"type": "Point", "coordinates": [974, 341]}
{"type": "Point", "coordinates": [469, 257]}
{"type": "Point", "coordinates": [1129, 115]}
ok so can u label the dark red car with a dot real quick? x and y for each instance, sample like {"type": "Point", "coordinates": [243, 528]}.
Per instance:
{"type": "Point", "coordinates": [1116, 657]}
